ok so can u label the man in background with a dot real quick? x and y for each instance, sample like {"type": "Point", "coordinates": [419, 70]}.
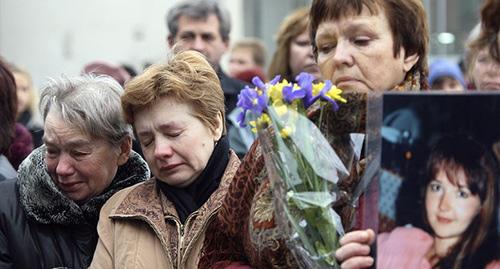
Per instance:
{"type": "Point", "coordinates": [204, 26]}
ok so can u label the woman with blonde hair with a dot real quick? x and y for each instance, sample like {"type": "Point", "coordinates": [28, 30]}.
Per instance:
{"type": "Point", "coordinates": [28, 100]}
{"type": "Point", "coordinates": [293, 48]}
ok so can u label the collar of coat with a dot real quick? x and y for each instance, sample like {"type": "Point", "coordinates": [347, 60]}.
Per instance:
{"type": "Point", "coordinates": [43, 202]}
{"type": "Point", "coordinates": [147, 203]}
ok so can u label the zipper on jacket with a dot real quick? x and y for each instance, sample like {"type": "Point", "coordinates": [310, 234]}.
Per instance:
{"type": "Point", "coordinates": [202, 230]}
{"type": "Point", "coordinates": [180, 241]}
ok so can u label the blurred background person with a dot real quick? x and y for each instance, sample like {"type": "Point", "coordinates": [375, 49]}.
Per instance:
{"type": "Point", "coordinates": [246, 58]}
{"type": "Point", "coordinates": [177, 111]}
{"type": "Point", "coordinates": [484, 68]}
{"type": "Point", "coordinates": [49, 214]}
{"type": "Point", "coordinates": [28, 100]}
{"type": "Point", "coordinates": [294, 52]}
{"type": "Point", "coordinates": [21, 146]}
{"type": "Point", "coordinates": [130, 70]}
{"type": "Point", "coordinates": [445, 75]}
{"type": "Point", "coordinates": [117, 72]}
{"type": "Point", "coordinates": [8, 112]}
{"type": "Point", "coordinates": [204, 26]}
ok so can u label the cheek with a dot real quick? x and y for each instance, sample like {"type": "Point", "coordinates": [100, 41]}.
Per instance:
{"type": "Point", "coordinates": [325, 68]}
{"type": "Point", "coordinates": [468, 211]}
{"type": "Point", "coordinates": [51, 164]}
{"type": "Point", "coordinates": [428, 204]}
{"type": "Point", "coordinates": [477, 72]}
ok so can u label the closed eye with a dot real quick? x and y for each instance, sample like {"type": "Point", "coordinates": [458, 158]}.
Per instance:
{"type": "Point", "coordinates": [361, 41]}
{"type": "Point", "coordinates": [52, 152]}
{"type": "Point", "coordinates": [173, 134]}
{"type": "Point", "coordinates": [302, 43]}
{"type": "Point", "coordinates": [79, 154]}
{"type": "Point", "coordinates": [326, 48]}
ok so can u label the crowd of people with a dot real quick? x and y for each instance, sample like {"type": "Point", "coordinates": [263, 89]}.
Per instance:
{"type": "Point", "coordinates": [113, 169]}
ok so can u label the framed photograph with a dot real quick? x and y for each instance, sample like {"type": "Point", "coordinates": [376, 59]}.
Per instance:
{"type": "Point", "coordinates": [438, 186]}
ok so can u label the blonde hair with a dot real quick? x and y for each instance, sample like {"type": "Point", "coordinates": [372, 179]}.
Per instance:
{"type": "Point", "coordinates": [292, 26]}
{"type": "Point", "coordinates": [34, 98]}
{"type": "Point", "coordinates": [187, 77]}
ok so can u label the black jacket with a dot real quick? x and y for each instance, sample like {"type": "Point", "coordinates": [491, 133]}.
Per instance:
{"type": "Point", "coordinates": [231, 88]}
{"type": "Point", "coordinates": [41, 228]}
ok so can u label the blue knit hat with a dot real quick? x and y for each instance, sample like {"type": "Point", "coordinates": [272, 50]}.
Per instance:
{"type": "Point", "coordinates": [441, 68]}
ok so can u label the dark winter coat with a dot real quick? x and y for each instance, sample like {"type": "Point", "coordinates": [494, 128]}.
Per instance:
{"type": "Point", "coordinates": [42, 228]}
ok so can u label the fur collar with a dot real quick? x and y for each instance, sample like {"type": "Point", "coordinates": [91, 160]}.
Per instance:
{"type": "Point", "coordinates": [43, 202]}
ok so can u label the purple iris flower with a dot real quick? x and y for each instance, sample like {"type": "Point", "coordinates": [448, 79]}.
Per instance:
{"type": "Point", "coordinates": [322, 93]}
{"type": "Point", "coordinates": [241, 118]}
{"type": "Point", "coordinates": [305, 80]}
{"type": "Point", "coordinates": [289, 94]}
{"type": "Point", "coordinates": [246, 97]}
{"type": "Point", "coordinates": [275, 80]}
{"type": "Point", "coordinates": [259, 83]}
{"type": "Point", "coordinates": [250, 99]}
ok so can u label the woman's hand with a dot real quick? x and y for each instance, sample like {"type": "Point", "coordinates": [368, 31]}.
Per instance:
{"type": "Point", "coordinates": [355, 248]}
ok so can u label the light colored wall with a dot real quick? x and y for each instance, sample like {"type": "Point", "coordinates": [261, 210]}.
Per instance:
{"type": "Point", "coordinates": [54, 37]}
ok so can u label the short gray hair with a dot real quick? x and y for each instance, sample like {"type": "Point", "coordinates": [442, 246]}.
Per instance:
{"type": "Point", "coordinates": [91, 103]}
{"type": "Point", "coordinates": [199, 9]}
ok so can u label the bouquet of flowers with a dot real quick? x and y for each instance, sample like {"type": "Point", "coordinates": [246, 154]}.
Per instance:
{"type": "Point", "coordinates": [302, 166]}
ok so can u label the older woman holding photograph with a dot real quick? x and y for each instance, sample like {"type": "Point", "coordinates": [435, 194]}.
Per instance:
{"type": "Point", "coordinates": [49, 214]}
{"type": "Point", "coordinates": [361, 46]}
{"type": "Point", "coordinates": [177, 110]}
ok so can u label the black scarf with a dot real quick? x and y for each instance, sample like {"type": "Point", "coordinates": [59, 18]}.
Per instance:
{"type": "Point", "coordinates": [189, 199]}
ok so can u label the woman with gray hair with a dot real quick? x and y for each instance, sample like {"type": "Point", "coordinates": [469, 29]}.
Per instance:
{"type": "Point", "coordinates": [48, 216]}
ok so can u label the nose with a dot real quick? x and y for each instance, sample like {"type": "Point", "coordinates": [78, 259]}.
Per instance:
{"type": "Point", "coordinates": [163, 149]}
{"type": "Point", "coordinates": [199, 44]}
{"type": "Point", "coordinates": [310, 53]}
{"type": "Point", "coordinates": [444, 202]}
{"type": "Point", "coordinates": [65, 166]}
{"type": "Point", "coordinates": [342, 55]}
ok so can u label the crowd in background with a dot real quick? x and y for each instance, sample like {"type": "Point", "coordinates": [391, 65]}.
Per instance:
{"type": "Point", "coordinates": [93, 141]}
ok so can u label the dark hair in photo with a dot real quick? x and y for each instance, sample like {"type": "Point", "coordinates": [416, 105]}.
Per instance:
{"type": "Point", "coordinates": [454, 154]}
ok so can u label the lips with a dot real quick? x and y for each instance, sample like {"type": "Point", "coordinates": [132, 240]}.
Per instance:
{"type": "Point", "coordinates": [345, 79]}
{"type": "Point", "coordinates": [490, 86]}
{"type": "Point", "coordinates": [443, 220]}
{"type": "Point", "coordinates": [69, 186]}
{"type": "Point", "coordinates": [169, 167]}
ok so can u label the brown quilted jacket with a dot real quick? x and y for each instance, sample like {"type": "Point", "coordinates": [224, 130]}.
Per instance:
{"type": "Point", "coordinates": [139, 227]}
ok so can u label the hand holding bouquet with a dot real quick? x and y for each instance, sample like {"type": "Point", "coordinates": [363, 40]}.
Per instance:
{"type": "Point", "coordinates": [302, 166]}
